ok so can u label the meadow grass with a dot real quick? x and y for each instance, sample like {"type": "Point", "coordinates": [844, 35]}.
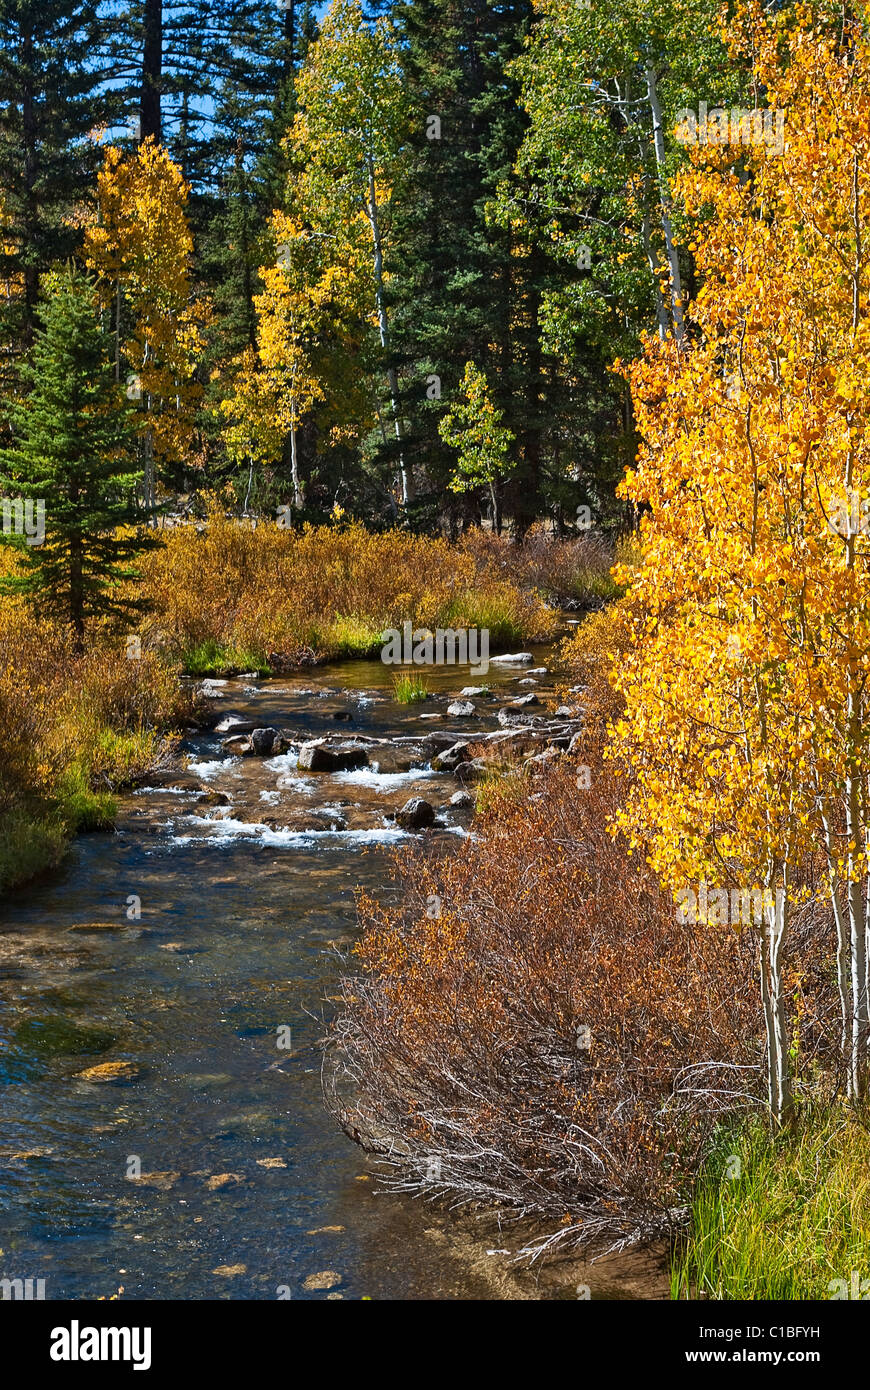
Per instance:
{"type": "Point", "coordinates": [233, 597]}
{"type": "Point", "coordinates": [783, 1217]}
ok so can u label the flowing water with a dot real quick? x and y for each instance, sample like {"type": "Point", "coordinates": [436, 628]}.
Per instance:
{"type": "Point", "coordinates": [247, 1187]}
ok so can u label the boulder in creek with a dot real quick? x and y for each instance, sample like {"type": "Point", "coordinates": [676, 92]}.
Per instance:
{"type": "Point", "coordinates": [450, 758]}
{"type": "Point", "coordinates": [263, 741]}
{"type": "Point", "coordinates": [519, 716]}
{"type": "Point", "coordinates": [461, 709]}
{"type": "Point", "coordinates": [416, 814]}
{"type": "Point", "coordinates": [523, 700]}
{"type": "Point", "coordinates": [436, 743]}
{"type": "Point", "coordinates": [512, 659]}
{"type": "Point", "coordinates": [315, 756]}
{"type": "Point", "coordinates": [232, 725]}
{"type": "Point", "coordinates": [473, 771]}
{"type": "Point", "coordinates": [462, 799]}
{"type": "Point", "coordinates": [470, 691]}
{"type": "Point", "coordinates": [238, 747]}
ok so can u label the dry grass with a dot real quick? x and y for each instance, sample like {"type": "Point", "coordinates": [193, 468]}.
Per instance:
{"type": "Point", "coordinates": [75, 726]}
{"type": "Point", "coordinates": [571, 573]}
{"type": "Point", "coordinates": [233, 597]}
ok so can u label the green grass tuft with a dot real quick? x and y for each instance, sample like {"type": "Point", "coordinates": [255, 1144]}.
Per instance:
{"type": "Point", "coordinates": [408, 689]}
{"type": "Point", "coordinates": [781, 1218]}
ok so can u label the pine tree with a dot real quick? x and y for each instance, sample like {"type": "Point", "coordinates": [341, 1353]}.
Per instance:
{"type": "Point", "coordinates": [75, 456]}
{"type": "Point", "coordinates": [468, 284]}
{"type": "Point", "coordinates": [50, 102]}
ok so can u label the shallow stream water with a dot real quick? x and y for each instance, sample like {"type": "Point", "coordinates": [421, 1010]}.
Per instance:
{"type": "Point", "coordinates": [247, 1187]}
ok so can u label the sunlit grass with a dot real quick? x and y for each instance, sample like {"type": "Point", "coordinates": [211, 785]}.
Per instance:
{"type": "Point", "coordinates": [408, 689]}
{"type": "Point", "coordinates": [781, 1218]}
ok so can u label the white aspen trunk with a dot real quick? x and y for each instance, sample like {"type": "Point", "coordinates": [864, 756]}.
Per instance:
{"type": "Point", "coordinates": [665, 202]}
{"type": "Point", "coordinates": [149, 485]}
{"type": "Point", "coordinates": [772, 947]}
{"type": "Point", "coordinates": [652, 262]}
{"type": "Point", "coordinates": [250, 483]}
{"type": "Point", "coordinates": [383, 330]}
{"type": "Point", "coordinates": [298, 498]}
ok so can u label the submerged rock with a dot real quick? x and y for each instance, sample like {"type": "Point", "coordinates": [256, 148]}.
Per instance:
{"type": "Point", "coordinates": [326, 1279]}
{"type": "Point", "coordinates": [217, 1181]}
{"type": "Point", "coordinates": [211, 797]}
{"type": "Point", "coordinates": [164, 1182]}
{"type": "Point", "coordinates": [97, 926]}
{"type": "Point", "coordinates": [416, 814]}
{"type": "Point", "coordinates": [110, 1071]}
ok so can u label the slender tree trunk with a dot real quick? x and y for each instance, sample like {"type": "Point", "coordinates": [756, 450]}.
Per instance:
{"type": "Point", "coordinates": [118, 329]}
{"type": "Point", "coordinates": [383, 328]}
{"type": "Point", "coordinates": [150, 121]}
{"type": "Point", "coordinates": [772, 947]}
{"type": "Point", "coordinates": [843, 942]}
{"type": "Point", "coordinates": [298, 499]}
{"type": "Point", "coordinates": [30, 170]}
{"type": "Point", "coordinates": [665, 202]}
{"type": "Point", "coordinates": [653, 263]}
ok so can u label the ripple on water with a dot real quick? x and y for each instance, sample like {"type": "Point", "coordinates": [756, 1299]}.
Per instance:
{"type": "Point", "coordinates": [227, 831]}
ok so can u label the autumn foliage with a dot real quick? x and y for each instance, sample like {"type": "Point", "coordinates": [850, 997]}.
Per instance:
{"type": "Point", "coordinates": [533, 1031]}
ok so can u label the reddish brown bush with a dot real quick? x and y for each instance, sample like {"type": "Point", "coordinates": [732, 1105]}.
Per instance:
{"type": "Point", "coordinates": [460, 1053]}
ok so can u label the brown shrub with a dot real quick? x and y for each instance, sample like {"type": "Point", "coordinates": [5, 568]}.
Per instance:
{"type": "Point", "coordinates": [459, 1054]}
{"type": "Point", "coordinates": [328, 589]}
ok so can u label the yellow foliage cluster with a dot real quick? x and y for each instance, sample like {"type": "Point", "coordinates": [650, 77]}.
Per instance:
{"type": "Point", "coordinates": [141, 248]}
{"type": "Point", "coordinates": [746, 718]}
